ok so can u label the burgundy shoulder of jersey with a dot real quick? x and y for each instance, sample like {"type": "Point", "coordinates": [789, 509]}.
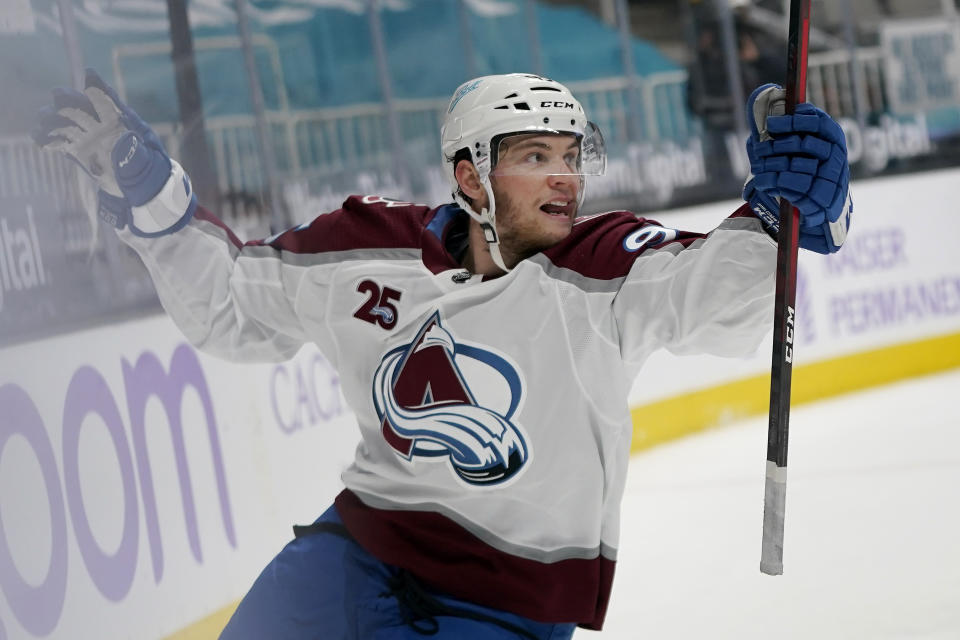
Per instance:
{"type": "Point", "coordinates": [743, 212]}
{"type": "Point", "coordinates": [363, 222]}
{"type": "Point", "coordinates": [604, 246]}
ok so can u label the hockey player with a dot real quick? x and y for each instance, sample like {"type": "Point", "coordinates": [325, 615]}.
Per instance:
{"type": "Point", "coordinates": [486, 346]}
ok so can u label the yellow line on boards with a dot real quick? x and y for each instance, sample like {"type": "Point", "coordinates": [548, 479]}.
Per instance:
{"type": "Point", "coordinates": [208, 628]}
{"type": "Point", "coordinates": [688, 413]}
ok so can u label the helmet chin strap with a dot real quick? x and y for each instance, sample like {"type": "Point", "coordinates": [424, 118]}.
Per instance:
{"type": "Point", "coordinates": [488, 223]}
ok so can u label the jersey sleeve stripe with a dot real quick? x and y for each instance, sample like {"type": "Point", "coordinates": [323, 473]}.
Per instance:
{"type": "Point", "coordinates": [333, 257]}
{"type": "Point", "coordinates": [570, 276]}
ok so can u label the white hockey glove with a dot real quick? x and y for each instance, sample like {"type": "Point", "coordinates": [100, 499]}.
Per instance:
{"type": "Point", "coordinates": [113, 145]}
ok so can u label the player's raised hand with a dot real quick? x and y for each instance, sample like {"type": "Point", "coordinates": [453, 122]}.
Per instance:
{"type": "Point", "coordinates": [801, 157]}
{"type": "Point", "coordinates": [109, 141]}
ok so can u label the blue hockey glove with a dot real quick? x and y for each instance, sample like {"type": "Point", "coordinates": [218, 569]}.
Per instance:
{"type": "Point", "coordinates": [113, 145]}
{"type": "Point", "coordinates": [803, 158]}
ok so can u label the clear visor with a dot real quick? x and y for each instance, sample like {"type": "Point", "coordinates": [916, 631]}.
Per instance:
{"type": "Point", "coordinates": [553, 153]}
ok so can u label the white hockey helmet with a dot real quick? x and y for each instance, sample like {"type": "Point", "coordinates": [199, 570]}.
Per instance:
{"type": "Point", "coordinates": [485, 110]}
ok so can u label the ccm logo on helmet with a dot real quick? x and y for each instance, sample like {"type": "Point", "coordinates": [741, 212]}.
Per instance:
{"type": "Point", "coordinates": [556, 104]}
{"type": "Point", "coordinates": [648, 236]}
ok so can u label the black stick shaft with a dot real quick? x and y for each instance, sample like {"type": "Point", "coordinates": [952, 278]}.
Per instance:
{"type": "Point", "coordinates": [771, 559]}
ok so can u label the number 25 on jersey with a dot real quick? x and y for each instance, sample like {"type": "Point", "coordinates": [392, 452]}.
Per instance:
{"type": "Point", "coordinates": [378, 308]}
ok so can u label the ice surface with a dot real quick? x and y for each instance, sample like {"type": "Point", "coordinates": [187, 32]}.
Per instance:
{"type": "Point", "coordinates": [872, 541]}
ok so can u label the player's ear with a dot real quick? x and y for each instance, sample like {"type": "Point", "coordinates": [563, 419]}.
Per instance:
{"type": "Point", "coordinates": [469, 180]}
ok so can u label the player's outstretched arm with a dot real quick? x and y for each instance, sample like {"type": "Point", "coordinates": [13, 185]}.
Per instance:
{"type": "Point", "coordinates": [803, 158]}
{"type": "Point", "coordinates": [196, 264]}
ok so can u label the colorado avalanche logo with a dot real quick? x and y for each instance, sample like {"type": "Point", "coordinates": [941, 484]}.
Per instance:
{"type": "Point", "coordinates": [427, 409]}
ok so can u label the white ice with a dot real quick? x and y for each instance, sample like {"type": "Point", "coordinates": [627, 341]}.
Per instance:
{"type": "Point", "coordinates": [872, 540]}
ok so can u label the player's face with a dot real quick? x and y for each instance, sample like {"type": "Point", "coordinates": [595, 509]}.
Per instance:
{"type": "Point", "coordinates": [535, 184]}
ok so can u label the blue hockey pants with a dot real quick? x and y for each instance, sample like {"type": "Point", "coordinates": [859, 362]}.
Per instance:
{"type": "Point", "coordinates": [324, 586]}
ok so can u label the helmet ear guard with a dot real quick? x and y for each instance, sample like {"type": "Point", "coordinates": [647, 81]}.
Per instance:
{"type": "Point", "coordinates": [487, 216]}
{"type": "Point", "coordinates": [484, 111]}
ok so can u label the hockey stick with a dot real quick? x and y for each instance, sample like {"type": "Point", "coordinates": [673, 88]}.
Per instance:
{"type": "Point", "coordinates": [784, 317]}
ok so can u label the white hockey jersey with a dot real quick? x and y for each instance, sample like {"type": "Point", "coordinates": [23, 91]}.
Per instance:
{"type": "Point", "coordinates": [493, 412]}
